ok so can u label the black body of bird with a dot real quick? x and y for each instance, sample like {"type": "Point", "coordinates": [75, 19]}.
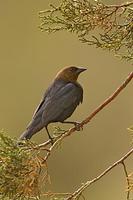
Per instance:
{"type": "Point", "coordinates": [58, 103]}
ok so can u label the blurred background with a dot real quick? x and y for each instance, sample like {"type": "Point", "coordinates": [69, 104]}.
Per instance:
{"type": "Point", "coordinates": [29, 60]}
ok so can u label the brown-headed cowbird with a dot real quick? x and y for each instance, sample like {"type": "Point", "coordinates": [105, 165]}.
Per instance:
{"type": "Point", "coordinates": [58, 103]}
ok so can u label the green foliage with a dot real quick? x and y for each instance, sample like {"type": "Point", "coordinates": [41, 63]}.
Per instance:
{"type": "Point", "coordinates": [23, 170]}
{"type": "Point", "coordinates": [19, 170]}
{"type": "Point", "coordinates": [58, 131]}
{"type": "Point", "coordinates": [111, 26]}
{"type": "Point", "coordinates": [130, 128]}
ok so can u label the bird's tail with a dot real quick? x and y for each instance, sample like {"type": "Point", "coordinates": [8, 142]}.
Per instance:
{"type": "Point", "coordinates": [27, 134]}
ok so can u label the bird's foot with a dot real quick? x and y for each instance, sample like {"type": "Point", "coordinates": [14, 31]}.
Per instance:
{"type": "Point", "coordinates": [78, 126]}
{"type": "Point", "coordinates": [51, 140]}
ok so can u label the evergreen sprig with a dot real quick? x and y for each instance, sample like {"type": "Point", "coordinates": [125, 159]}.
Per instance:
{"type": "Point", "coordinates": [105, 26]}
{"type": "Point", "coordinates": [20, 168]}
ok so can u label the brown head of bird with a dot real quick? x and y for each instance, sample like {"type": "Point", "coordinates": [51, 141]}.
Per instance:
{"type": "Point", "coordinates": [70, 73]}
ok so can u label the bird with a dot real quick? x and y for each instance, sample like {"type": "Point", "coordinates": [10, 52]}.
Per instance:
{"type": "Point", "coordinates": [58, 103]}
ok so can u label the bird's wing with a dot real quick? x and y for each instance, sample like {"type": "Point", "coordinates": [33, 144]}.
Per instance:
{"type": "Point", "coordinates": [65, 100]}
{"type": "Point", "coordinates": [57, 106]}
{"type": "Point", "coordinates": [53, 88]}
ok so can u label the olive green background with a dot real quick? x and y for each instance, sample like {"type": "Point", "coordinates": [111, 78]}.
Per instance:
{"type": "Point", "coordinates": [29, 60]}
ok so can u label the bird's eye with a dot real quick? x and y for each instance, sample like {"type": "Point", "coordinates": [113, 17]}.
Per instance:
{"type": "Point", "coordinates": [73, 69]}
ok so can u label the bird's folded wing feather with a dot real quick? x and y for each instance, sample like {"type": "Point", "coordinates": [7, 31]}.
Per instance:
{"type": "Point", "coordinates": [53, 105]}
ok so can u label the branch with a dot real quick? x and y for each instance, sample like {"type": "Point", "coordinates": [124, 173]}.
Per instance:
{"type": "Point", "coordinates": [109, 99]}
{"type": "Point", "coordinates": [79, 191]}
{"type": "Point", "coordinates": [59, 138]}
{"type": "Point", "coordinates": [113, 24]}
{"type": "Point", "coordinates": [128, 182]}
{"type": "Point", "coordinates": [122, 5]}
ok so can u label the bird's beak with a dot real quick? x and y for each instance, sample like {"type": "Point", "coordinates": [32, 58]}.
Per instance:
{"type": "Point", "coordinates": [81, 69]}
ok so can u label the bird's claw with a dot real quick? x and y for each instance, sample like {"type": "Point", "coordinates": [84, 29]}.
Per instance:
{"type": "Point", "coordinates": [78, 126]}
{"type": "Point", "coordinates": [51, 140]}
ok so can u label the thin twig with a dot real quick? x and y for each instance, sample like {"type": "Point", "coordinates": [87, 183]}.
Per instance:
{"type": "Point", "coordinates": [79, 191]}
{"type": "Point", "coordinates": [121, 5]}
{"type": "Point", "coordinates": [127, 178]}
{"type": "Point", "coordinates": [109, 99]}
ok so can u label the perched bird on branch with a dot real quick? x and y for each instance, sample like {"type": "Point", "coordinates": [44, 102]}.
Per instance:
{"type": "Point", "coordinates": [58, 103]}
